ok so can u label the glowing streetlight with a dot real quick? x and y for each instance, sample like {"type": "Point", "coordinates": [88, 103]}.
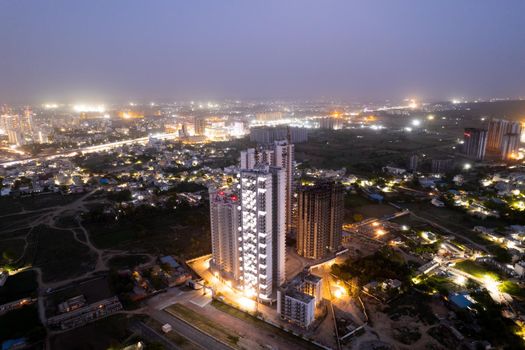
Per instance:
{"type": "Point", "coordinates": [491, 284]}
{"type": "Point", "coordinates": [339, 292]}
{"type": "Point", "coordinates": [246, 303]}
{"type": "Point", "coordinates": [467, 166]}
{"type": "Point", "coordinates": [460, 280]}
{"type": "Point", "coordinates": [380, 232]}
{"type": "Point", "coordinates": [416, 122]}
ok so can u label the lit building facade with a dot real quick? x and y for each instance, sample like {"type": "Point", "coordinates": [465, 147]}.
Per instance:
{"type": "Point", "coordinates": [225, 233]}
{"type": "Point", "coordinates": [269, 134]}
{"type": "Point", "coordinates": [296, 301]}
{"type": "Point", "coordinates": [263, 230]}
{"type": "Point", "coordinates": [510, 146]}
{"type": "Point", "coordinates": [320, 211]}
{"type": "Point", "coordinates": [475, 143]}
{"type": "Point", "coordinates": [498, 128]}
{"type": "Point", "coordinates": [279, 154]}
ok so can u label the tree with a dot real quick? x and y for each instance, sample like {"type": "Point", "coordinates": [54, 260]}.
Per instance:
{"type": "Point", "coordinates": [8, 255]}
{"type": "Point", "coordinates": [353, 287]}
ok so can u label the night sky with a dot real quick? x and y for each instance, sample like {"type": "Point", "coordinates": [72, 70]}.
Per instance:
{"type": "Point", "coordinates": [112, 50]}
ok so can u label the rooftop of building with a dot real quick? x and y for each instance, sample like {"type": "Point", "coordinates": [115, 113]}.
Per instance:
{"type": "Point", "coordinates": [303, 297]}
{"type": "Point", "coordinates": [312, 278]}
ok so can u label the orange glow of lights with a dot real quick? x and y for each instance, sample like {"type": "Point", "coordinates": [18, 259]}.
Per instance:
{"type": "Point", "coordinates": [380, 232]}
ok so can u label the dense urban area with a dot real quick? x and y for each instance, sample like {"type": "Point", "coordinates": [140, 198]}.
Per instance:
{"type": "Point", "coordinates": [263, 225]}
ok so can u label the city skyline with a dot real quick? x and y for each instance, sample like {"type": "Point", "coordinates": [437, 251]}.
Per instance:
{"type": "Point", "coordinates": [296, 174]}
{"type": "Point", "coordinates": [121, 51]}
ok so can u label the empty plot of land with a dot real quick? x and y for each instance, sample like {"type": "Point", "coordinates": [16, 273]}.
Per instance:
{"type": "Point", "coordinates": [103, 334]}
{"type": "Point", "coordinates": [18, 286]}
{"type": "Point", "coordinates": [60, 256]}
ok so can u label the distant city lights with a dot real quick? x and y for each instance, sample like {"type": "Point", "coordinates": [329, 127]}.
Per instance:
{"type": "Point", "coordinates": [81, 108]}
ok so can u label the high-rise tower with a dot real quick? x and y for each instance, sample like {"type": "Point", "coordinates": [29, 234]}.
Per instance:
{"type": "Point", "coordinates": [263, 230]}
{"type": "Point", "coordinates": [279, 154]}
{"type": "Point", "coordinates": [225, 219]}
{"type": "Point", "coordinates": [475, 143]}
{"type": "Point", "coordinates": [319, 219]}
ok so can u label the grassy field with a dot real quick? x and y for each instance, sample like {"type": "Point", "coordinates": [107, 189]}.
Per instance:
{"type": "Point", "coordinates": [175, 337]}
{"type": "Point", "coordinates": [60, 256]}
{"type": "Point", "coordinates": [11, 250]}
{"type": "Point", "coordinates": [454, 220]}
{"type": "Point", "coordinates": [364, 150]}
{"type": "Point", "coordinates": [513, 289]}
{"type": "Point", "coordinates": [258, 324]}
{"type": "Point", "coordinates": [477, 270]}
{"type": "Point", "coordinates": [67, 221]}
{"type": "Point", "coordinates": [19, 286]}
{"type": "Point", "coordinates": [186, 235]}
{"type": "Point", "coordinates": [127, 261]}
{"type": "Point", "coordinates": [9, 205]}
{"type": "Point", "coordinates": [18, 221]}
{"type": "Point", "coordinates": [22, 322]}
{"type": "Point", "coordinates": [216, 330]}
{"type": "Point", "coordinates": [412, 304]}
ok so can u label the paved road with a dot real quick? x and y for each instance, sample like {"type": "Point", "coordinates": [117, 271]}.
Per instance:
{"type": "Point", "coordinates": [89, 149]}
{"type": "Point", "coordinates": [153, 336]}
{"type": "Point", "coordinates": [193, 334]}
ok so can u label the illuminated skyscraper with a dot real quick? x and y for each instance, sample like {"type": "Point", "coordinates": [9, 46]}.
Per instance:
{"type": "Point", "coordinates": [225, 219]}
{"type": "Point", "coordinates": [263, 230]}
{"type": "Point", "coordinates": [319, 219]}
{"type": "Point", "coordinates": [280, 154]}
{"type": "Point", "coordinates": [475, 143]}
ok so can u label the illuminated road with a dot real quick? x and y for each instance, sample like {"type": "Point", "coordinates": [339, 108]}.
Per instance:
{"type": "Point", "coordinates": [190, 332]}
{"type": "Point", "coordinates": [90, 149]}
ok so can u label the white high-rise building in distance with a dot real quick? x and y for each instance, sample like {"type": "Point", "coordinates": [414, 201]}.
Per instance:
{"type": "Point", "coordinates": [263, 230]}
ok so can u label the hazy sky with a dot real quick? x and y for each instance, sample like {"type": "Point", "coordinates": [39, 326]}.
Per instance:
{"type": "Point", "coordinates": [107, 50]}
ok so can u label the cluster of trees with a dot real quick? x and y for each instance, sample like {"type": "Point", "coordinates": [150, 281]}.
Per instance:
{"type": "Point", "coordinates": [498, 330]}
{"type": "Point", "coordinates": [384, 264]}
{"type": "Point", "coordinates": [120, 196]}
